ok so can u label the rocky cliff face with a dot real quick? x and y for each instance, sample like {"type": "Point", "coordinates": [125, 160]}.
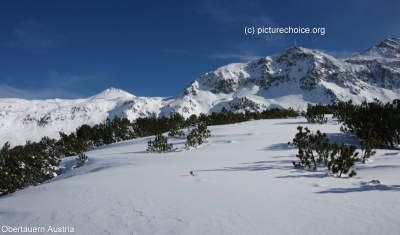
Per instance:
{"type": "Point", "coordinates": [291, 78]}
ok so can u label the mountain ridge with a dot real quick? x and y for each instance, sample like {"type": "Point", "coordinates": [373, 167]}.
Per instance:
{"type": "Point", "coordinates": [291, 78]}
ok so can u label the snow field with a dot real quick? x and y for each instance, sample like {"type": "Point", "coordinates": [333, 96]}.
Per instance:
{"type": "Point", "coordinates": [243, 183]}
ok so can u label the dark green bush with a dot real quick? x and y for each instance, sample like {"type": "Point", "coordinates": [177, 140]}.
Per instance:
{"type": "Point", "coordinates": [375, 124]}
{"type": "Point", "coordinates": [159, 145]}
{"type": "Point", "coordinates": [316, 149]}
{"type": "Point", "coordinates": [316, 114]}
{"type": "Point", "coordinates": [198, 135]}
{"type": "Point", "coordinates": [27, 165]}
{"type": "Point", "coordinates": [175, 132]}
{"type": "Point", "coordinates": [343, 159]}
{"type": "Point", "coordinates": [81, 160]}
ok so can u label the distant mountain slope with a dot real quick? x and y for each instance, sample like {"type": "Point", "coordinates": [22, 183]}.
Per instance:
{"type": "Point", "coordinates": [298, 75]}
{"type": "Point", "coordinates": [389, 49]}
{"type": "Point", "coordinates": [291, 78]}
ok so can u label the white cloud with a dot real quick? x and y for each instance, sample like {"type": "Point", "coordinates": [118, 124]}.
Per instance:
{"type": "Point", "coordinates": [12, 92]}
{"type": "Point", "coordinates": [234, 56]}
{"type": "Point", "coordinates": [339, 54]}
{"type": "Point", "coordinates": [57, 79]}
{"type": "Point", "coordinates": [31, 37]}
{"type": "Point", "coordinates": [177, 51]}
{"type": "Point", "coordinates": [55, 85]}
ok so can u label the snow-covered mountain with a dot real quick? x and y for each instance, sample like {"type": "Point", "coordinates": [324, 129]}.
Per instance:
{"type": "Point", "coordinates": [385, 51]}
{"type": "Point", "coordinates": [291, 78]}
{"type": "Point", "coordinates": [22, 120]}
{"type": "Point", "coordinates": [298, 75]}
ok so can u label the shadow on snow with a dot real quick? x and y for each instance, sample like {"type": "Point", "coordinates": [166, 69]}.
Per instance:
{"type": "Point", "coordinates": [259, 166]}
{"type": "Point", "coordinates": [279, 147]}
{"type": "Point", "coordinates": [341, 137]}
{"type": "Point", "coordinates": [293, 123]}
{"type": "Point", "coordinates": [363, 188]}
{"type": "Point", "coordinates": [307, 174]}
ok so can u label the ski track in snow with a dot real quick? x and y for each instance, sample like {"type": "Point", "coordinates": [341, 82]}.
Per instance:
{"type": "Point", "coordinates": [243, 183]}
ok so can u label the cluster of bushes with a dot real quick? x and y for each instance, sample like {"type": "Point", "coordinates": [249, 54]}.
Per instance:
{"type": "Point", "coordinates": [229, 117]}
{"type": "Point", "coordinates": [316, 150]}
{"type": "Point", "coordinates": [375, 124]}
{"type": "Point", "coordinates": [87, 138]}
{"type": "Point", "coordinates": [148, 126]}
{"type": "Point", "coordinates": [27, 165]}
{"type": "Point", "coordinates": [159, 145]}
{"type": "Point", "coordinates": [316, 113]}
{"type": "Point", "coordinates": [37, 162]}
{"type": "Point", "coordinates": [197, 136]}
{"type": "Point", "coordinates": [81, 160]}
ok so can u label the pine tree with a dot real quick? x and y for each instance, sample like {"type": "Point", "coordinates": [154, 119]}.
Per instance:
{"type": "Point", "coordinates": [11, 178]}
{"type": "Point", "coordinates": [198, 135]}
{"type": "Point", "coordinates": [81, 160]}
{"type": "Point", "coordinates": [40, 162]}
{"type": "Point", "coordinates": [159, 145]}
{"type": "Point", "coordinates": [305, 153]}
{"type": "Point", "coordinates": [315, 149]}
{"type": "Point", "coordinates": [175, 132]}
{"type": "Point", "coordinates": [369, 141]}
{"type": "Point", "coordinates": [316, 114]}
{"type": "Point", "coordinates": [322, 147]}
{"type": "Point", "coordinates": [344, 160]}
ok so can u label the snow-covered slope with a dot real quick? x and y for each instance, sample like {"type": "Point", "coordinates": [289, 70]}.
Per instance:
{"type": "Point", "coordinates": [22, 120]}
{"type": "Point", "coordinates": [243, 183]}
{"type": "Point", "coordinates": [291, 78]}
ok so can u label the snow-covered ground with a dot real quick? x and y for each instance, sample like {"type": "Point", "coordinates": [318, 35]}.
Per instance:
{"type": "Point", "coordinates": [243, 183]}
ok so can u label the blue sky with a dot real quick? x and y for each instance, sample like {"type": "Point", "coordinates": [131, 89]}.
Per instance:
{"type": "Point", "coordinates": [75, 49]}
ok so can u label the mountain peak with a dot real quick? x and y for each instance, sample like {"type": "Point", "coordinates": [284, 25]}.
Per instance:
{"type": "Point", "coordinates": [298, 49]}
{"type": "Point", "coordinates": [391, 43]}
{"type": "Point", "coordinates": [112, 93]}
{"type": "Point", "coordinates": [387, 49]}
{"type": "Point", "coordinates": [297, 53]}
